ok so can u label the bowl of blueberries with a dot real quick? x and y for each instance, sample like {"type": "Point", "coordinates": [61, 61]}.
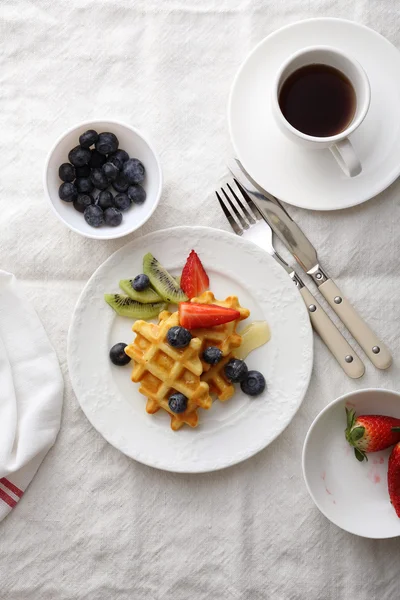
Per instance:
{"type": "Point", "coordinates": [103, 179]}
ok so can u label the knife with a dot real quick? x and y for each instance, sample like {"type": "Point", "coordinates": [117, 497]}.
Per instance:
{"type": "Point", "coordinates": [306, 255]}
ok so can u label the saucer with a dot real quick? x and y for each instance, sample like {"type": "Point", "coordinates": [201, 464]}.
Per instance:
{"type": "Point", "coordinates": [352, 494]}
{"type": "Point", "coordinates": [311, 178]}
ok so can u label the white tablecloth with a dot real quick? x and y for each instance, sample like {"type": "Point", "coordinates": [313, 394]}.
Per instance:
{"type": "Point", "coordinates": [95, 525]}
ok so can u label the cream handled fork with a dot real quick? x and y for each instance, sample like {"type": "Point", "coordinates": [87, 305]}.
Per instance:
{"type": "Point", "coordinates": [251, 225]}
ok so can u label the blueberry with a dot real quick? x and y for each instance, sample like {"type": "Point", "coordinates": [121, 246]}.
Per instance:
{"type": "Point", "coordinates": [122, 202]}
{"type": "Point", "coordinates": [83, 171]}
{"type": "Point", "coordinates": [133, 170]}
{"type": "Point", "coordinates": [66, 172]}
{"type": "Point", "coordinates": [88, 138]}
{"type": "Point", "coordinates": [114, 160]}
{"type": "Point", "coordinates": [110, 171]}
{"type": "Point", "coordinates": [105, 200]}
{"type": "Point", "coordinates": [112, 217]}
{"type": "Point", "coordinates": [84, 185]}
{"type": "Point", "coordinates": [121, 155]}
{"type": "Point", "coordinates": [82, 202]}
{"type": "Point", "coordinates": [236, 370]}
{"type": "Point", "coordinates": [212, 355]}
{"type": "Point", "coordinates": [178, 337]}
{"type": "Point", "coordinates": [79, 156]}
{"type": "Point", "coordinates": [120, 184]}
{"type": "Point", "coordinates": [177, 403]}
{"type": "Point", "coordinates": [99, 180]}
{"type": "Point", "coordinates": [137, 194]}
{"type": "Point", "coordinates": [254, 383]}
{"type": "Point", "coordinates": [118, 356]}
{"type": "Point", "coordinates": [94, 216]}
{"type": "Point", "coordinates": [107, 143]}
{"type": "Point", "coordinates": [97, 160]}
{"type": "Point", "coordinates": [140, 283]}
{"type": "Point", "coordinates": [67, 192]}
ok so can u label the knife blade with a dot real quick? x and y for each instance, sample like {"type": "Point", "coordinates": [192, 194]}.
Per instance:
{"type": "Point", "coordinates": [306, 255]}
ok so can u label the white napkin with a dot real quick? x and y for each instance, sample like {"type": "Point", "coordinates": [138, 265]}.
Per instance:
{"type": "Point", "coordinates": [31, 393]}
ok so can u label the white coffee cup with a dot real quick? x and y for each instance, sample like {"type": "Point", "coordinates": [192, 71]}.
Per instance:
{"type": "Point", "coordinates": [339, 144]}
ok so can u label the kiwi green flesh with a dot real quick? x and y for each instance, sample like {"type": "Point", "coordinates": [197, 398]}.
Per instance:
{"type": "Point", "coordinates": [164, 284]}
{"type": "Point", "coordinates": [126, 307]}
{"type": "Point", "coordinates": [147, 296]}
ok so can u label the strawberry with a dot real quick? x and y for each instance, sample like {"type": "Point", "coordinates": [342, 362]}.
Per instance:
{"type": "Point", "coordinates": [394, 478]}
{"type": "Point", "coordinates": [371, 433]}
{"type": "Point", "coordinates": [194, 280]}
{"type": "Point", "coordinates": [194, 316]}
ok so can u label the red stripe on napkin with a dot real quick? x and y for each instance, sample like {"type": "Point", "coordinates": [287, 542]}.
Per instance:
{"type": "Point", "coordinates": [7, 499]}
{"type": "Point", "coordinates": [13, 488]}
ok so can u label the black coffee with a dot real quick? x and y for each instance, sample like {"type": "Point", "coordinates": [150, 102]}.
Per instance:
{"type": "Point", "coordinates": [318, 100]}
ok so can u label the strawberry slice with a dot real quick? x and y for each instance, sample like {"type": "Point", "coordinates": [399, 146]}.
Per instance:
{"type": "Point", "coordinates": [193, 315]}
{"type": "Point", "coordinates": [194, 280]}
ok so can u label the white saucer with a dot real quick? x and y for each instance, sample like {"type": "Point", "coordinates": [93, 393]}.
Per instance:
{"type": "Point", "coordinates": [353, 495]}
{"type": "Point", "coordinates": [311, 178]}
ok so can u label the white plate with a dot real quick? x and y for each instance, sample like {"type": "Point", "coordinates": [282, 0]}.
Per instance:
{"type": "Point", "coordinates": [351, 494]}
{"type": "Point", "coordinates": [310, 178]}
{"type": "Point", "coordinates": [229, 432]}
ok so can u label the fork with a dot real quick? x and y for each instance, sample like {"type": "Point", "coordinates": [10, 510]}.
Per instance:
{"type": "Point", "coordinates": [249, 224]}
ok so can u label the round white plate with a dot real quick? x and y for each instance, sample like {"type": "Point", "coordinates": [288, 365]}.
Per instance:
{"type": "Point", "coordinates": [229, 432]}
{"type": "Point", "coordinates": [351, 494]}
{"type": "Point", "coordinates": [311, 178]}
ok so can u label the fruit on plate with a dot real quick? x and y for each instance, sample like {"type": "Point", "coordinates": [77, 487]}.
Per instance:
{"type": "Point", "coordinates": [178, 337]}
{"type": "Point", "coordinates": [140, 282]}
{"type": "Point", "coordinates": [371, 433]}
{"type": "Point", "coordinates": [165, 285]}
{"type": "Point", "coordinates": [147, 296]}
{"type": "Point", "coordinates": [118, 356]}
{"type": "Point", "coordinates": [394, 478]}
{"type": "Point", "coordinates": [177, 403]}
{"type": "Point", "coordinates": [126, 307]}
{"type": "Point", "coordinates": [212, 355]}
{"type": "Point", "coordinates": [194, 280]}
{"type": "Point", "coordinates": [104, 167]}
{"type": "Point", "coordinates": [193, 315]}
{"type": "Point", "coordinates": [236, 370]}
{"type": "Point", "coordinates": [253, 384]}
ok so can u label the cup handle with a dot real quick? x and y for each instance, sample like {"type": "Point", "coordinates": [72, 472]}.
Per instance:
{"type": "Point", "coordinates": [346, 157]}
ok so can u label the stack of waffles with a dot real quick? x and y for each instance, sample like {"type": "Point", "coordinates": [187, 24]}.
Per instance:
{"type": "Point", "coordinates": [162, 370]}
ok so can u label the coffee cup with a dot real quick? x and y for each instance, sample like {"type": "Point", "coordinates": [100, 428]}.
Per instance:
{"type": "Point", "coordinates": [320, 96]}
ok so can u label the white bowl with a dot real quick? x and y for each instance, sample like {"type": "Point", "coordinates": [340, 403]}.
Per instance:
{"type": "Point", "coordinates": [137, 146]}
{"type": "Point", "coordinates": [351, 494]}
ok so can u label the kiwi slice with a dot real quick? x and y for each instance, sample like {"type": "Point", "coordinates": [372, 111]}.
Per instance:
{"type": "Point", "coordinates": [164, 284]}
{"type": "Point", "coordinates": [146, 297]}
{"type": "Point", "coordinates": [126, 307]}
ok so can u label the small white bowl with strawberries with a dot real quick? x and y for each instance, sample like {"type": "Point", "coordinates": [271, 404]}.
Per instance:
{"type": "Point", "coordinates": [351, 463]}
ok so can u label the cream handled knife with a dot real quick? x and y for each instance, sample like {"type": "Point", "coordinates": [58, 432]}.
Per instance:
{"type": "Point", "coordinates": [306, 255]}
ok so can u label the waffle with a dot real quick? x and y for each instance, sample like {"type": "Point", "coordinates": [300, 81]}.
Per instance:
{"type": "Point", "coordinates": [161, 370]}
{"type": "Point", "coordinates": [223, 337]}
